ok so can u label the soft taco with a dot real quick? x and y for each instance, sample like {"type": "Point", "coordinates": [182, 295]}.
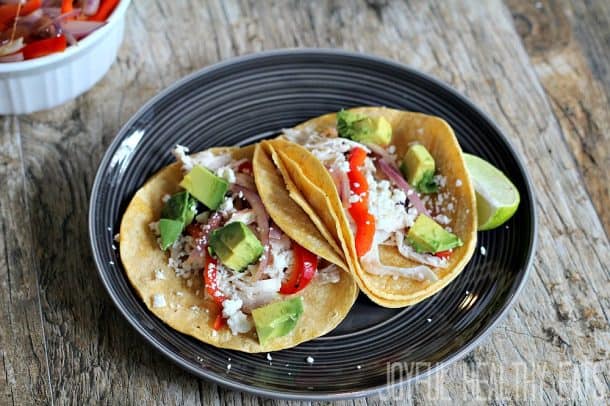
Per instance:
{"type": "Point", "coordinates": [211, 261]}
{"type": "Point", "coordinates": [392, 189]}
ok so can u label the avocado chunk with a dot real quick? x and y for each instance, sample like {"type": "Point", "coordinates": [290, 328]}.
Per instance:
{"type": "Point", "coordinates": [426, 235]}
{"type": "Point", "coordinates": [364, 129]}
{"type": "Point", "coordinates": [208, 188]}
{"type": "Point", "coordinates": [170, 230]}
{"type": "Point", "coordinates": [277, 319]}
{"type": "Point", "coordinates": [418, 169]}
{"type": "Point", "coordinates": [180, 206]}
{"type": "Point", "coordinates": [236, 245]}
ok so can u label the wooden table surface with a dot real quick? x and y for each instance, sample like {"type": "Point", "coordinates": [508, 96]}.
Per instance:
{"type": "Point", "coordinates": [540, 69]}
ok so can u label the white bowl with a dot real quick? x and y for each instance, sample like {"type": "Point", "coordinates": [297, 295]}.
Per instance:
{"type": "Point", "coordinates": [49, 81]}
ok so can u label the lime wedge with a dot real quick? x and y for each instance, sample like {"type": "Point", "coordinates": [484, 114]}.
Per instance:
{"type": "Point", "coordinates": [497, 197]}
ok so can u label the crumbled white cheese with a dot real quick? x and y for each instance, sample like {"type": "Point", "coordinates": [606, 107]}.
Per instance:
{"type": "Point", "coordinates": [226, 207]}
{"type": "Point", "coordinates": [458, 183]}
{"type": "Point", "coordinates": [236, 320]}
{"type": "Point", "coordinates": [310, 360]}
{"type": "Point", "coordinates": [442, 219]}
{"type": "Point", "coordinates": [179, 294]}
{"type": "Point", "coordinates": [212, 161]}
{"type": "Point", "coordinates": [354, 198]}
{"type": "Point", "coordinates": [269, 357]}
{"type": "Point", "coordinates": [226, 173]}
{"type": "Point", "coordinates": [165, 198]}
{"type": "Point", "coordinates": [117, 237]}
{"type": "Point", "coordinates": [159, 275]}
{"type": "Point", "coordinates": [158, 301]}
{"type": "Point", "coordinates": [181, 154]}
{"type": "Point", "coordinates": [392, 149]}
{"type": "Point", "coordinates": [483, 250]}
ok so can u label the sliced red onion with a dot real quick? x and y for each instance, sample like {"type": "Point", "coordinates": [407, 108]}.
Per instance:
{"type": "Point", "coordinates": [90, 7]}
{"type": "Point", "coordinates": [199, 251]}
{"type": "Point", "coordinates": [382, 153]}
{"type": "Point", "coordinates": [342, 184]}
{"type": "Point", "coordinates": [399, 181]}
{"type": "Point", "coordinates": [56, 20]}
{"type": "Point", "coordinates": [80, 29]}
{"type": "Point", "coordinates": [69, 37]}
{"type": "Point", "coordinates": [51, 12]}
{"type": "Point", "coordinates": [32, 17]}
{"type": "Point", "coordinates": [245, 180]}
{"type": "Point", "coordinates": [236, 164]}
{"type": "Point", "coordinates": [275, 233]}
{"type": "Point", "coordinates": [18, 57]}
{"type": "Point", "coordinates": [372, 264]}
{"type": "Point", "coordinates": [262, 222]}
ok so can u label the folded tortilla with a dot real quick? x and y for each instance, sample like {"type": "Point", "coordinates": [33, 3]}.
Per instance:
{"type": "Point", "coordinates": [323, 203]}
{"type": "Point", "coordinates": [187, 308]}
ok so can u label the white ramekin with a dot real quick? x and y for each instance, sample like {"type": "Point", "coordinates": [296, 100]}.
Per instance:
{"type": "Point", "coordinates": [49, 81]}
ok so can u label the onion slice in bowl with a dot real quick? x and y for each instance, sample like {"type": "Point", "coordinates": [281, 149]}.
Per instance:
{"type": "Point", "coordinates": [90, 7]}
{"type": "Point", "coordinates": [79, 29]}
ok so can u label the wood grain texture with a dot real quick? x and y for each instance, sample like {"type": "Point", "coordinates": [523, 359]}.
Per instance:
{"type": "Point", "coordinates": [24, 374]}
{"type": "Point", "coordinates": [553, 347]}
{"type": "Point", "coordinates": [569, 46]}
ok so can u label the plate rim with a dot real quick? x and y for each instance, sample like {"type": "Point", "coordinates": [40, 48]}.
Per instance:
{"type": "Point", "coordinates": [310, 396]}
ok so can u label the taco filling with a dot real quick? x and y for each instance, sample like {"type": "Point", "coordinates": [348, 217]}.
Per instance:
{"type": "Point", "coordinates": [217, 226]}
{"type": "Point", "coordinates": [399, 207]}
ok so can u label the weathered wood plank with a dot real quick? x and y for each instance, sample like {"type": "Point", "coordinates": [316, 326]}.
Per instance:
{"type": "Point", "coordinates": [24, 375]}
{"type": "Point", "coordinates": [554, 345]}
{"type": "Point", "coordinates": [569, 44]}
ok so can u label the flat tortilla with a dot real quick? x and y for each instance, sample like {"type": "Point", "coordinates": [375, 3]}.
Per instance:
{"type": "Point", "coordinates": [315, 181]}
{"type": "Point", "coordinates": [187, 308]}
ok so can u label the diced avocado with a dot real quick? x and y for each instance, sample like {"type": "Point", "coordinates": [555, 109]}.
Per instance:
{"type": "Point", "coordinates": [277, 319]}
{"type": "Point", "coordinates": [236, 245]}
{"type": "Point", "coordinates": [180, 206]}
{"type": "Point", "coordinates": [364, 129]}
{"type": "Point", "coordinates": [170, 230]}
{"type": "Point", "coordinates": [418, 169]}
{"type": "Point", "coordinates": [426, 235]}
{"type": "Point", "coordinates": [208, 188]}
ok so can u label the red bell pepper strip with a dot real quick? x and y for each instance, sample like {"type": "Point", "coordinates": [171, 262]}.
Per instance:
{"type": "Point", "coordinates": [106, 8]}
{"type": "Point", "coordinates": [443, 254]}
{"type": "Point", "coordinates": [219, 321]}
{"type": "Point", "coordinates": [359, 210]}
{"type": "Point", "coordinates": [211, 286]}
{"type": "Point", "coordinates": [210, 281]}
{"type": "Point", "coordinates": [44, 47]}
{"type": "Point", "coordinates": [8, 12]}
{"type": "Point", "coordinates": [303, 271]}
{"type": "Point", "coordinates": [66, 6]}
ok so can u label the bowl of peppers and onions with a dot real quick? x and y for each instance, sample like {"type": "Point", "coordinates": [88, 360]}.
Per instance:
{"type": "Point", "coordinates": [53, 50]}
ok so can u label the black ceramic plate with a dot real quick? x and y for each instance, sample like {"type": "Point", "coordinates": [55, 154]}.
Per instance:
{"type": "Point", "coordinates": [245, 99]}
